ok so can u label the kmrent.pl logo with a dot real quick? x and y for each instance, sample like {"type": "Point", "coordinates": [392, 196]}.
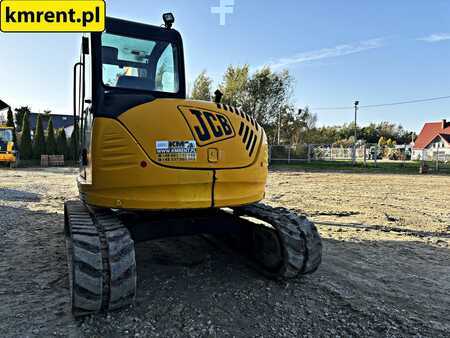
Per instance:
{"type": "Point", "coordinates": [52, 16]}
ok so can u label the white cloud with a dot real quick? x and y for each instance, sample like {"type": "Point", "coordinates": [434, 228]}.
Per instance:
{"type": "Point", "coordinates": [436, 37]}
{"type": "Point", "coordinates": [325, 53]}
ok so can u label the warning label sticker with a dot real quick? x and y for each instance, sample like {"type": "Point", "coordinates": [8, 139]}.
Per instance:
{"type": "Point", "coordinates": [172, 151]}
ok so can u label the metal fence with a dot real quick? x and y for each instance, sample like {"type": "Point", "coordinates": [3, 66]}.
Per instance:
{"type": "Point", "coordinates": [324, 152]}
{"type": "Point", "coordinates": [436, 160]}
{"type": "Point", "coordinates": [434, 155]}
{"type": "Point", "coordinates": [432, 160]}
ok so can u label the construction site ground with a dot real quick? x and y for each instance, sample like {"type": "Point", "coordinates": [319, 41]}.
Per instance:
{"type": "Point", "coordinates": [385, 270]}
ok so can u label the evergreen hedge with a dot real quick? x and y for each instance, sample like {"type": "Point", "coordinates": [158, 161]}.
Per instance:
{"type": "Point", "coordinates": [61, 144]}
{"type": "Point", "coordinates": [39, 147]}
{"type": "Point", "coordinates": [26, 149]}
{"type": "Point", "coordinates": [51, 139]}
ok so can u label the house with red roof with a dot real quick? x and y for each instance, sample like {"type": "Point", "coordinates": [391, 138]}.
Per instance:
{"type": "Point", "coordinates": [433, 141]}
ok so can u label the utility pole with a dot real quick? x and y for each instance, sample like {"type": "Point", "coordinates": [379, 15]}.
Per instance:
{"type": "Point", "coordinates": [300, 111]}
{"type": "Point", "coordinates": [356, 132]}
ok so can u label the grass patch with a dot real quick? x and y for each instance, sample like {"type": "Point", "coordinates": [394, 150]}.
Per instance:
{"type": "Point", "coordinates": [391, 167]}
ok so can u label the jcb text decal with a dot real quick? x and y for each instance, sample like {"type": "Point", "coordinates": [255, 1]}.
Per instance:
{"type": "Point", "coordinates": [208, 127]}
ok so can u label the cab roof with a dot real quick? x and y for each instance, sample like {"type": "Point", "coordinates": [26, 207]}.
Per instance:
{"type": "Point", "coordinates": [141, 30]}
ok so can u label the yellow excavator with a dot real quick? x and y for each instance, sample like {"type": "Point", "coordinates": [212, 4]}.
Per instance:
{"type": "Point", "coordinates": [154, 164]}
{"type": "Point", "coordinates": [8, 153]}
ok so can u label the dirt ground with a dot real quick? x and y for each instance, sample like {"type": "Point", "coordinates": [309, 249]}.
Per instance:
{"type": "Point", "coordinates": [385, 271]}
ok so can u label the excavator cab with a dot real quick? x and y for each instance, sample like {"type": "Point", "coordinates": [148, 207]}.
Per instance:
{"type": "Point", "coordinates": [127, 65]}
{"type": "Point", "coordinates": [154, 164]}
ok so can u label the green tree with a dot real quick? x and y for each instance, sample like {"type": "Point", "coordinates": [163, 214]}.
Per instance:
{"type": "Point", "coordinates": [370, 133]}
{"type": "Point", "coordinates": [61, 144]}
{"type": "Point", "coordinates": [296, 126]}
{"type": "Point", "coordinates": [323, 135]}
{"type": "Point", "coordinates": [20, 112]}
{"type": "Point", "coordinates": [9, 118]}
{"type": "Point", "coordinates": [47, 112]}
{"type": "Point", "coordinates": [39, 147]}
{"type": "Point", "coordinates": [51, 140]}
{"type": "Point", "coordinates": [235, 85]}
{"type": "Point", "coordinates": [202, 87]}
{"type": "Point", "coordinates": [26, 150]}
{"type": "Point", "coordinates": [10, 123]}
{"type": "Point", "coordinates": [304, 122]}
{"type": "Point", "coordinates": [268, 96]}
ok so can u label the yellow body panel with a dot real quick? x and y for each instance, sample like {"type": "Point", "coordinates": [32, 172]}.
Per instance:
{"type": "Point", "coordinates": [235, 187]}
{"type": "Point", "coordinates": [172, 120]}
{"type": "Point", "coordinates": [120, 181]}
{"type": "Point", "coordinates": [9, 158]}
{"type": "Point", "coordinates": [126, 171]}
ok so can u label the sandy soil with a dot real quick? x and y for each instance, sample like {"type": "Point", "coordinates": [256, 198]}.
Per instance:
{"type": "Point", "coordinates": [406, 201]}
{"type": "Point", "coordinates": [386, 267]}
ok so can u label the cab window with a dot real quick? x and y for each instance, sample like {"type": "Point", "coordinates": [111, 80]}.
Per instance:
{"type": "Point", "coordinates": [6, 135]}
{"type": "Point", "coordinates": [139, 64]}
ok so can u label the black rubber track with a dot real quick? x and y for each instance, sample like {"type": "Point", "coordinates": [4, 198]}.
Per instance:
{"type": "Point", "coordinates": [121, 260]}
{"type": "Point", "coordinates": [299, 238]}
{"type": "Point", "coordinates": [101, 260]}
{"type": "Point", "coordinates": [84, 259]}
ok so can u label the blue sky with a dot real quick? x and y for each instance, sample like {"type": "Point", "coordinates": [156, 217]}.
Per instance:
{"type": "Point", "coordinates": [338, 51]}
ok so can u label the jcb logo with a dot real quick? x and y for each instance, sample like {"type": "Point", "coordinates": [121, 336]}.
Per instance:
{"type": "Point", "coordinates": [208, 127]}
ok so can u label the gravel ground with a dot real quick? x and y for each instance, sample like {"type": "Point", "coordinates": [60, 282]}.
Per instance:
{"type": "Point", "coordinates": [386, 267]}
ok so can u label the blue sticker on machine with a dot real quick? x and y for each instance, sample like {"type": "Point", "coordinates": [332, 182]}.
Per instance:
{"type": "Point", "coordinates": [173, 151]}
